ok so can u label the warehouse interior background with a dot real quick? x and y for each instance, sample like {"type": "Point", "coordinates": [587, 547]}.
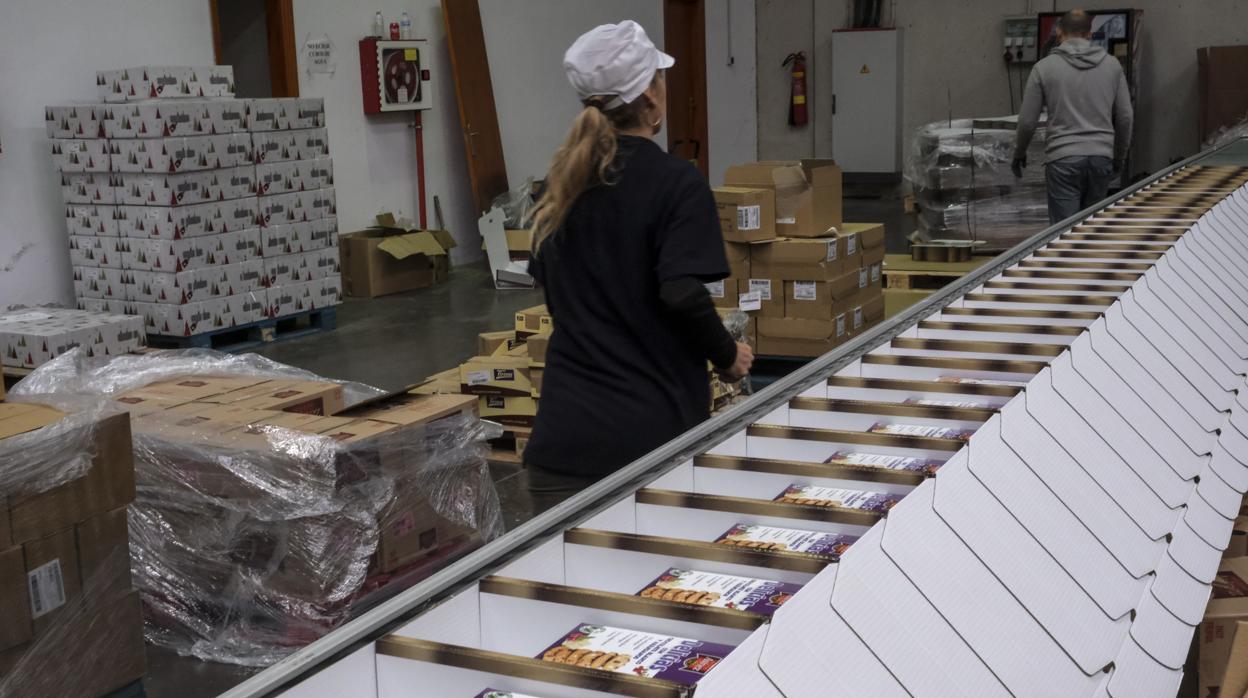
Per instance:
{"type": "Point", "coordinates": [951, 65]}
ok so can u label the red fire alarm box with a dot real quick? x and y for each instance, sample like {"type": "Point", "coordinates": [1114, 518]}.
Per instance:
{"type": "Point", "coordinates": [393, 75]}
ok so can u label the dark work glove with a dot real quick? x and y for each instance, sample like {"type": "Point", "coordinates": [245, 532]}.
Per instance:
{"type": "Point", "coordinates": [1017, 166]}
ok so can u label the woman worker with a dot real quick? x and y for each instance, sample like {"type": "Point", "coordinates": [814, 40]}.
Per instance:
{"type": "Point", "coordinates": [625, 237]}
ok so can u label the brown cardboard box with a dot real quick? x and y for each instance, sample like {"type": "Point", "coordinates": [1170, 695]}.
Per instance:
{"type": "Point", "coordinates": [308, 397]}
{"type": "Point", "coordinates": [771, 294]}
{"type": "Point", "coordinates": [444, 383]}
{"type": "Point", "coordinates": [1219, 631]}
{"type": "Point", "coordinates": [14, 603]}
{"type": "Point", "coordinates": [724, 293]}
{"type": "Point", "coordinates": [52, 569]}
{"type": "Point", "coordinates": [1222, 91]}
{"type": "Point", "coordinates": [381, 262]}
{"type": "Point", "coordinates": [535, 373]}
{"type": "Point", "coordinates": [798, 337]}
{"type": "Point", "coordinates": [738, 259]}
{"type": "Point", "coordinates": [411, 530]}
{"type": "Point", "coordinates": [488, 343]}
{"type": "Point", "coordinates": [193, 388]}
{"type": "Point", "coordinates": [410, 410]}
{"type": "Point", "coordinates": [808, 193]}
{"type": "Point", "coordinates": [519, 244]}
{"type": "Point", "coordinates": [821, 300]}
{"type": "Point", "coordinates": [101, 537]}
{"type": "Point", "coordinates": [897, 300]}
{"type": "Point", "coordinates": [746, 214]}
{"type": "Point", "coordinates": [108, 484]}
{"type": "Point", "coordinates": [496, 375]}
{"type": "Point", "coordinates": [538, 344]}
{"type": "Point", "coordinates": [533, 320]}
{"type": "Point", "coordinates": [819, 259]}
{"type": "Point", "coordinates": [509, 410]}
{"type": "Point", "coordinates": [867, 314]}
{"type": "Point", "coordinates": [864, 244]}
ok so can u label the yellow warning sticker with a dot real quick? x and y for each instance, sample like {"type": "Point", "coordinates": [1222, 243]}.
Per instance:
{"type": "Point", "coordinates": [410, 54]}
{"type": "Point", "coordinates": [865, 70]}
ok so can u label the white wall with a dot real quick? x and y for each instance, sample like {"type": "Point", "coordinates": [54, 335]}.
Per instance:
{"type": "Point", "coordinates": [731, 90]}
{"type": "Point", "coordinates": [375, 156]}
{"type": "Point", "coordinates": [525, 42]}
{"type": "Point", "coordinates": [49, 50]}
{"type": "Point", "coordinates": [952, 63]}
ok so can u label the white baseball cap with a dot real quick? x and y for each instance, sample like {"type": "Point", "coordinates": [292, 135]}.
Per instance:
{"type": "Point", "coordinates": [618, 60]}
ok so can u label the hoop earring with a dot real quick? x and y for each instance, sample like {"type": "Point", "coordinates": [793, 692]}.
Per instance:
{"type": "Point", "coordinates": [656, 124]}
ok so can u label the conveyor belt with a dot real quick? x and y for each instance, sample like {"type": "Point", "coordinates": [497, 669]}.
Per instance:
{"type": "Point", "coordinates": [1079, 403]}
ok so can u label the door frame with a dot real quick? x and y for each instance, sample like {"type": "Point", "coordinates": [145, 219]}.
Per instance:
{"type": "Point", "coordinates": [283, 58]}
{"type": "Point", "coordinates": [686, 42]}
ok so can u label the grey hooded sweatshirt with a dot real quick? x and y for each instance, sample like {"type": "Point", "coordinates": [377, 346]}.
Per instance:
{"type": "Point", "coordinates": [1089, 104]}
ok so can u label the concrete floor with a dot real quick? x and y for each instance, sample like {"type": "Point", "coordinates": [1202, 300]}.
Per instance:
{"type": "Point", "coordinates": [395, 341]}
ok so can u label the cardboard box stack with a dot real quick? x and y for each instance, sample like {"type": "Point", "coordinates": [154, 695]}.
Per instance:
{"type": "Point", "coordinates": [65, 586]}
{"type": "Point", "coordinates": [192, 209]}
{"type": "Point", "coordinates": [1223, 635]}
{"type": "Point", "coordinates": [265, 499]}
{"type": "Point", "coordinates": [30, 338]}
{"type": "Point", "coordinates": [811, 280]}
{"type": "Point", "coordinates": [394, 257]}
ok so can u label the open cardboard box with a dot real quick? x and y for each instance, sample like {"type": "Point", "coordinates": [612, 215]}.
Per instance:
{"type": "Point", "coordinates": [393, 258]}
{"type": "Point", "coordinates": [808, 193]}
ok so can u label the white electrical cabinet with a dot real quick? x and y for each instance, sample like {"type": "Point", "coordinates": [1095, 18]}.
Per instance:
{"type": "Point", "coordinates": [866, 100]}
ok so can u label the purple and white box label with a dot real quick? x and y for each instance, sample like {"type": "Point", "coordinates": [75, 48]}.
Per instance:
{"type": "Point", "coordinates": [841, 498]}
{"type": "Point", "coordinates": [720, 591]}
{"type": "Point", "coordinates": [786, 539]}
{"type": "Point", "coordinates": [635, 652]}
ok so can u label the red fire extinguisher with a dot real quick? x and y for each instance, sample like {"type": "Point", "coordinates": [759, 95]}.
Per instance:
{"type": "Point", "coordinates": [797, 91]}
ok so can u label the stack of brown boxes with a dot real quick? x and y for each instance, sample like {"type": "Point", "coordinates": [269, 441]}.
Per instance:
{"type": "Point", "coordinates": [65, 587]}
{"type": "Point", "coordinates": [811, 280]}
{"type": "Point", "coordinates": [1223, 635]}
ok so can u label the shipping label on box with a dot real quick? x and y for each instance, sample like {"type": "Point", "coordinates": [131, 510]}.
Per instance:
{"type": "Point", "coordinates": [280, 177]}
{"type": "Point", "coordinates": [312, 144]}
{"type": "Point", "coordinates": [681, 660]}
{"type": "Point", "coordinates": [862, 500]}
{"type": "Point", "coordinates": [699, 588]}
{"type": "Point", "coordinates": [746, 215]}
{"type": "Point", "coordinates": [270, 114]}
{"type": "Point", "coordinates": [275, 146]}
{"type": "Point", "coordinates": [786, 539]}
{"type": "Point", "coordinates": [83, 121]}
{"type": "Point", "coordinates": [94, 188]}
{"type": "Point", "coordinates": [81, 155]}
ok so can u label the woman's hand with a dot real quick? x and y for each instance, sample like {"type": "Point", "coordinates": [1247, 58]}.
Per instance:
{"type": "Point", "coordinates": [741, 367]}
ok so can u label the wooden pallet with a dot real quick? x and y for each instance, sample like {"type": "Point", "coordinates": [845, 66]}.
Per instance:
{"type": "Point", "coordinates": [902, 273]}
{"type": "Point", "coordinates": [253, 335]}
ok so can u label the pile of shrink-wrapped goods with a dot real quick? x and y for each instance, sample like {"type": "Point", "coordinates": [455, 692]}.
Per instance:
{"type": "Point", "coordinates": [964, 186]}
{"type": "Point", "coordinates": [273, 504]}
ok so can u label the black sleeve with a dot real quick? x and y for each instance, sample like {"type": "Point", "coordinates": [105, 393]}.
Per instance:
{"type": "Point", "coordinates": [687, 299]}
{"type": "Point", "coordinates": [690, 242]}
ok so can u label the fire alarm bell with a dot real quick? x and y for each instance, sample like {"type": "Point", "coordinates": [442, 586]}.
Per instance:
{"type": "Point", "coordinates": [393, 76]}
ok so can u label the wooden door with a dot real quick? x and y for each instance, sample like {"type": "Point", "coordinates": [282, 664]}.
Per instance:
{"type": "Point", "coordinates": [279, 34]}
{"type": "Point", "coordinates": [684, 38]}
{"type": "Point", "coordinates": [475, 94]}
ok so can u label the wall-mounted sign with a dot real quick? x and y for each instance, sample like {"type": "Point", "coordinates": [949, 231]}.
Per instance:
{"type": "Point", "coordinates": [318, 55]}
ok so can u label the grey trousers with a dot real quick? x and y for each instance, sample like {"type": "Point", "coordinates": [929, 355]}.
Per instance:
{"type": "Point", "coordinates": [1075, 183]}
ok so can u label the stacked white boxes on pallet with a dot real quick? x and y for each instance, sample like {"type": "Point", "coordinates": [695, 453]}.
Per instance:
{"type": "Point", "coordinates": [163, 194]}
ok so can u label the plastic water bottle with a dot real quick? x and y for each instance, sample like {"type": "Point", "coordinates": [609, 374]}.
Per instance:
{"type": "Point", "coordinates": [379, 26]}
{"type": "Point", "coordinates": [405, 26]}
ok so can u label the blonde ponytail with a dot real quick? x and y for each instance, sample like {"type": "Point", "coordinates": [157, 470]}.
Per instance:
{"type": "Point", "coordinates": [580, 163]}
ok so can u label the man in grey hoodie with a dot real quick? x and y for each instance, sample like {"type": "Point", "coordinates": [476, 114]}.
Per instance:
{"type": "Point", "coordinates": [1089, 122]}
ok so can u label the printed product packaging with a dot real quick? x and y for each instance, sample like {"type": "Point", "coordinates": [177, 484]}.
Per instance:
{"type": "Point", "coordinates": [862, 500]}
{"type": "Point", "coordinates": [786, 539]}
{"type": "Point", "coordinates": [720, 591]}
{"type": "Point", "coordinates": [649, 655]}
{"type": "Point", "coordinates": [926, 430]}
{"type": "Point", "coordinates": [880, 460]}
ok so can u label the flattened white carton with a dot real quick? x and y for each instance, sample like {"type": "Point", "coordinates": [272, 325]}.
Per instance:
{"type": "Point", "coordinates": [312, 144]}
{"type": "Point", "coordinates": [495, 693]}
{"type": "Point", "coordinates": [840, 498]}
{"type": "Point", "coordinates": [786, 539]}
{"type": "Point", "coordinates": [94, 188]}
{"type": "Point", "coordinates": [81, 155]}
{"type": "Point", "coordinates": [92, 219]}
{"type": "Point", "coordinates": [649, 655]}
{"type": "Point", "coordinates": [925, 430]}
{"type": "Point", "coordinates": [699, 588]}
{"type": "Point", "coordinates": [886, 461]}
{"type": "Point", "coordinates": [75, 120]}
{"type": "Point", "coordinates": [275, 146]}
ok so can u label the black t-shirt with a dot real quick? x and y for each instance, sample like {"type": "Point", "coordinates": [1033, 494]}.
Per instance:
{"type": "Point", "coordinates": [622, 377]}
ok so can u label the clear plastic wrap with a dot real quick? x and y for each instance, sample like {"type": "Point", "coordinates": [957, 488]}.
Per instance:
{"type": "Point", "coordinates": [249, 539]}
{"type": "Point", "coordinates": [53, 455]}
{"type": "Point", "coordinates": [516, 204]}
{"type": "Point", "coordinates": [1228, 134]}
{"type": "Point", "coordinates": [965, 188]}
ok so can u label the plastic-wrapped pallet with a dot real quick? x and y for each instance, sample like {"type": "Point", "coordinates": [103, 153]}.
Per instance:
{"type": "Point", "coordinates": [260, 520]}
{"type": "Point", "coordinates": [965, 188]}
{"type": "Point", "coordinates": [65, 582]}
